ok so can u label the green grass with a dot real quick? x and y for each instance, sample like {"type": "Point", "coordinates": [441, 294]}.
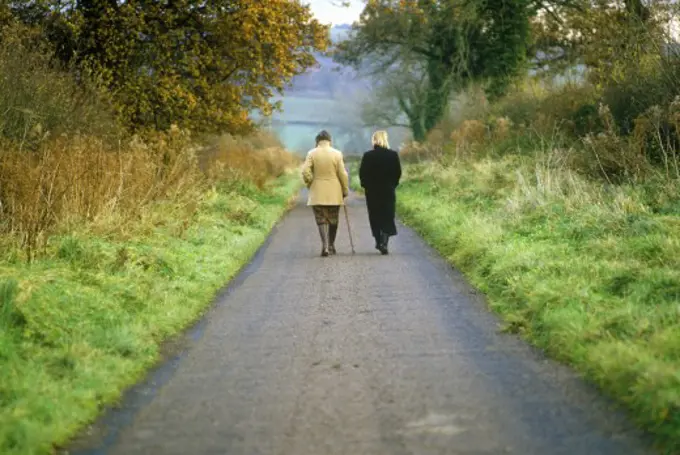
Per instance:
{"type": "Point", "coordinates": [354, 182]}
{"type": "Point", "coordinates": [88, 318]}
{"type": "Point", "coordinates": [590, 275]}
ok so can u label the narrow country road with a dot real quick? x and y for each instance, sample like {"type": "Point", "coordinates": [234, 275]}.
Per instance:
{"type": "Point", "coordinates": [357, 355]}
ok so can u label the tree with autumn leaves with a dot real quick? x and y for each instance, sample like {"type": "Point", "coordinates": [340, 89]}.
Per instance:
{"type": "Point", "coordinates": [201, 65]}
{"type": "Point", "coordinates": [423, 52]}
{"type": "Point", "coordinates": [434, 47]}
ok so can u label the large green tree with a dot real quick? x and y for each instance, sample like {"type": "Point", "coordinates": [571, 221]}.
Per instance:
{"type": "Point", "coordinates": [201, 64]}
{"type": "Point", "coordinates": [443, 44]}
{"type": "Point", "coordinates": [605, 36]}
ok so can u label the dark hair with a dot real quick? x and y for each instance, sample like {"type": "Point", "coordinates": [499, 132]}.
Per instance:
{"type": "Point", "coordinates": [323, 136]}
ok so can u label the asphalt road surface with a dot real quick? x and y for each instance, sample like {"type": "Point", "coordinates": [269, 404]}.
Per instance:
{"type": "Point", "coordinates": [357, 355]}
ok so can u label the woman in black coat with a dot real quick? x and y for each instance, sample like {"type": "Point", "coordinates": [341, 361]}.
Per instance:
{"type": "Point", "coordinates": [379, 173]}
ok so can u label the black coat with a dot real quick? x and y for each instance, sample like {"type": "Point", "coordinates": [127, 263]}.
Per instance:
{"type": "Point", "coordinates": [379, 173]}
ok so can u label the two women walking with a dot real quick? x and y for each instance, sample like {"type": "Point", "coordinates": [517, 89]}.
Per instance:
{"type": "Point", "coordinates": [326, 177]}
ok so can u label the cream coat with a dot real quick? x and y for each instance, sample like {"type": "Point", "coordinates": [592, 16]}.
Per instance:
{"type": "Point", "coordinates": [325, 175]}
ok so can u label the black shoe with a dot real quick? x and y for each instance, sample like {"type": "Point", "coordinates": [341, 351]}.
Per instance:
{"type": "Point", "coordinates": [384, 239]}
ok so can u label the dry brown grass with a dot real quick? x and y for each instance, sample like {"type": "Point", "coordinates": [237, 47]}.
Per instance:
{"type": "Point", "coordinates": [469, 136]}
{"type": "Point", "coordinates": [464, 140]}
{"type": "Point", "coordinates": [257, 158]}
{"type": "Point", "coordinates": [66, 164]}
{"type": "Point", "coordinates": [69, 181]}
{"type": "Point", "coordinates": [415, 152]}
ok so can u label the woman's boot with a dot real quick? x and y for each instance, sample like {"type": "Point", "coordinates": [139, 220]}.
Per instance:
{"type": "Point", "coordinates": [384, 239]}
{"type": "Point", "coordinates": [323, 232]}
{"type": "Point", "coordinates": [332, 233]}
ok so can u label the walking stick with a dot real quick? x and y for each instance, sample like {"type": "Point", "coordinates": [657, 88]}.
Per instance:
{"type": "Point", "coordinates": [349, 229]}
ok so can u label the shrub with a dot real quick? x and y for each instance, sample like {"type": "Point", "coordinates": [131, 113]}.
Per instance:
{"type": "Point", "coordinates": [38, 100]}
{"type": "Point", "coordinates": [70, 180]}
{"type": "Point", "coordinates": [413, 152]}
{"type": "Point", "coordinates": [257, 157]}
{"type": "Point", "coordinates": [614, 134]}
{"type": "Point", "coordinates": [64, 161]}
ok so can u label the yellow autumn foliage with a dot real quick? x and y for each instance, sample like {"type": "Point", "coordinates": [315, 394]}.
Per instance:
{"type": "Point", "coordinates": [202, 65]}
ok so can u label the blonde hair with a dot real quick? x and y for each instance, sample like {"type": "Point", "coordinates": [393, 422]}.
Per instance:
{"type": "Point", "coordinates": [380, 138]}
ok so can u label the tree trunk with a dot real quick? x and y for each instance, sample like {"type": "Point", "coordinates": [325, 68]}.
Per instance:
{"type": "Point", "coordinates": [637, 9]}
{"type": "Point", "coordinates": [437, 95]}
{"type": "Point", "coordinates": [417, 128]}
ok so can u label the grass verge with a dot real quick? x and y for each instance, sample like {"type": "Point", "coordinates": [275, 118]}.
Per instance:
{"type": "Point", "coordinates": [86, 319]}
{"type": "Point", "coordinates": [589, 273]}
{"type": "Point", "coordinates": [354, 181]}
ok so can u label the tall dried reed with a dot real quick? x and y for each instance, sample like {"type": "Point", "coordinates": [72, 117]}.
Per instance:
{"type": "Point", "coordinates": [257, 158]}
{"type": "Point", "coordinates": [68, 181]}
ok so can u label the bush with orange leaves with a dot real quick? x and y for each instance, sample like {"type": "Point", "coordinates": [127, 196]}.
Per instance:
{"type": "Point", "coordinates": [257, 158]}
{"type": "Point", "coordinates": [469, 135]}
{"type": "Point", "coordinates": [414, 152]}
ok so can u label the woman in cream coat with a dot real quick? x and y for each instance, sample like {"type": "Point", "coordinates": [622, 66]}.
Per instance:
{"type": "Point", "coordinates": [325, 176]}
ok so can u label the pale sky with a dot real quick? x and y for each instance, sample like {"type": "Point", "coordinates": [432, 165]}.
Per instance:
{"type": "Point", "coordinates": [327, 13]}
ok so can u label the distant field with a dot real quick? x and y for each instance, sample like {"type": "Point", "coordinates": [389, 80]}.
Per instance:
{"type": "Point", "coordinates": [315, 114]}
{"type": "Point", "coordinates": [297, 137]}
{"type": "Point", "coordinates": [306, 116]}
{"type": "Point", "coordinates": [324, 110]}
{"type": "Point", "coordinates": [300, 138]}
